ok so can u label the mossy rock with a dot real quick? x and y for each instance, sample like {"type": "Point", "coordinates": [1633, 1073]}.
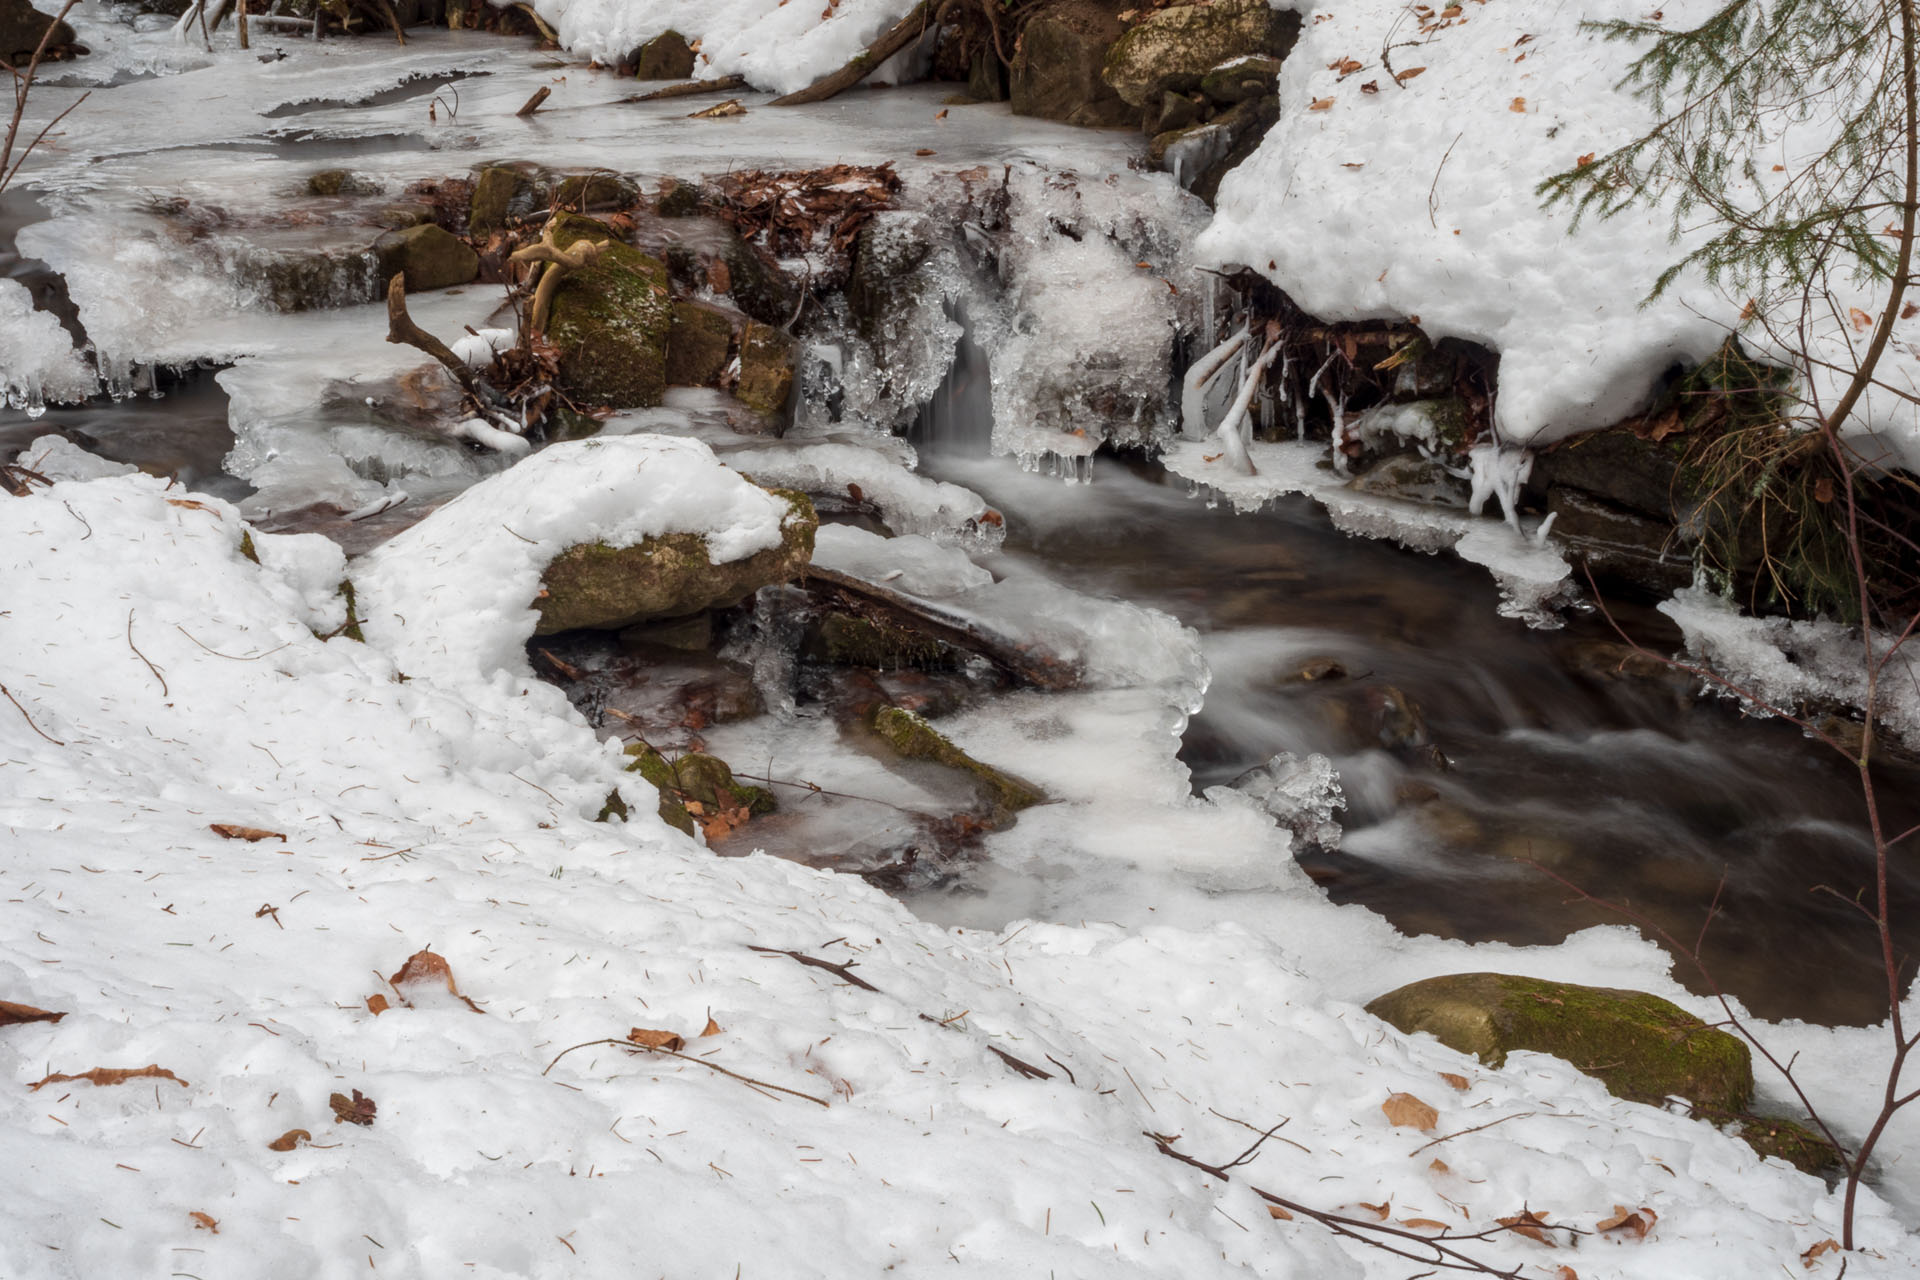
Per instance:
{"type": "Point", "coordinates": [1176, 48]}
{"type": "Point", "coordinates": [883, 279]}
{"type": "Point", "coordinates": [430, 257]}
{"type": "Point", "coordinates": [1056, 69]}
{"type": "Point", "coordinates": [340, 182]}
{"type": "Point", "coordinates": [667, 56]}
{"type": "Point", "coordinates": [756, 283]}
{"type": "Point", "coordinates": [306, 279]}
{"type": "Point", "coordinates": [595, 586]}
{"type": "Point", "coordinates": [698, 344]}
{"type": "Point", "coordinates": [1640, 1046]}
{"type": "Point", "coordinates": [611, 321]}
{"type": "Point", "coordinates": [766, 370]}
{"type": "Point", "coordinates": [1791, 1141]}
{"type": "Point", "coordinates": [1237, 79]}
{"type": "Point", "coordinates": [706, 780]}
{"type": "Point", "coordinates": [501, 193]}
{"type": "Point", "coordinates": [584, 192]}
{"type": "Point", "coordinates": [398, 217]}
{"type": "Point", "coordinates": [912, 738]}
{"type": "Point", "coordinates": [855, 640]}
{"type": "Point", "coordinates": [679, 199]}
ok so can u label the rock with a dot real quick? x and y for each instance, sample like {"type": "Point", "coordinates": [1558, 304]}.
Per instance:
{"type": "Point", "coordinates": [502, 192]}
{"type": "Point", "coordinates": [585, 192]}
{"type": "Point", "coordinates": [1177, 111]}
{"type": "Point", "coordinates": [1620, 545]}
{"type": "Point", "coordinates": [698, 344]}
{"type": "Point", "coordinates": [1313, 669]}
{"type": "Point", "coordinates": [850, 639]}
{"type": "Point", "coordinates": [611, 321]}
{"type": "Point", "coordinates": [880, 280]}
{"type": "Point", "coordinates": [399, 217]}
{"type": "Point", "coordinates": [21, 29]}
{"type": "Point", "coordinates": [1788, 1140]}
{"type": "Point", "coordinates": [679, 199]}
{"type": "Point", "coordinates": [308, 279]}
{"type": "Point", "coordinates": [1189, 153]}
{"type": "Point", "coordinates": [1641, 1047]}
{"type": "Point", "coordinates": [1056, 70]}
{"type": "Point", "coordinates": [1610, 660]}
{"type": "Point", "coordinates": [607, 588]}
{"type": "Point", "coordinates": [665, 57]}
{"type": "Point", "coordinates": [756, 283]}
{"type": "Point", "coordinates": [1413, 478]}
{"type": "Point", "coordinates": [1246, 124]}
{"type": "Point", "coordinates": [1175, 48]}
{"type": "Point", "coordinates": [766, 370]}
{"type": "Point", "coordinates": [1254, 76]}
{"type": "Point", "coordinates": [703, 779]}
{"type": "Point", "coordinates": [430, 257]}
{"type": "Point", "coordinates": [914, 739]}
{"type": "Point", "coordinates": [340, 182]}
{"type": "Point", "coordinates": [1616, 465]}
{"type": "Point", "coordinates": [984, 81]}
{"type": "Point", "coordinates": [1396, 719]}
{"type": "Point", "coordinates": [691, 634]}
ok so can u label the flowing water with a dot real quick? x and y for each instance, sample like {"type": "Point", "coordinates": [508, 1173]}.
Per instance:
{"type": "Point", "coordinates": [1491, 773]}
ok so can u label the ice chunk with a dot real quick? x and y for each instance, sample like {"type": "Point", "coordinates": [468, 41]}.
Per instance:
{"type": "Point", "coordinates": [58, 458]}
{"type": "Point", "coordinates": [38, 365]}
{"type": "Point", "coordinates": [1304, 794]}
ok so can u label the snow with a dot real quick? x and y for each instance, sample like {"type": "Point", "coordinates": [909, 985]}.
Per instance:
{"type": "Point", "coordinates": [179, 684]}
{"type": "Point", "coordinates": [1418, 201]}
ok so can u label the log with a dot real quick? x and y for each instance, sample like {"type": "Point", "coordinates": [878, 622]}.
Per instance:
{"type": "Point", "coordinates": [862, 64]}
{"type": "Point", "coordinates": [688, 88]}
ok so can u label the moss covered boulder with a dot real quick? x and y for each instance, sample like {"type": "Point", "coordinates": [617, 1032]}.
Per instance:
{"type": "Point", "coordinates": [1640, 1046]}
{"type": "Point", "coordinates": [585, 192]}
{"type": "Point", "coordinates": [912, 738]}
{"type": "Point", "coordinates": [430, 257]}
{"type": "Point", "coordinates": [503, 192]}
{"type": "Point", "coordinates": [1056, 68]}
{"type": "Point", "coordinates": [1176, 48]}
{"type": "Point", "coordinates": [766, 370]}
{"type": "Point", "coordinates": [611, 320]}
{"type": "Point", "coordinates": [605, 588]}
{"type": "Point", "coordinates": [698, 344]}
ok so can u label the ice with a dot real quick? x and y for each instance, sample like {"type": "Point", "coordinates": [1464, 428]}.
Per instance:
{"type": "Point", "coordinates": [908, 563]}
{"type": "Point", "coordinates": [57, 458]}
{"type": "Point", "coordinates": [908, 502]}
{"type": "Point", "coordinates": [38, 364]}
{"type": "Point", "coordinates": [1304, 794]}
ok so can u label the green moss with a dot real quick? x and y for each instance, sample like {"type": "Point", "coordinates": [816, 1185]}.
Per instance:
{"type": "Point", "coordinates": [1788, 1140]}
{"type": "Point", "coordinates": [615, 807]}
{"type": "Point", "coordinates": [854, 640]}
{"type": "Point", "coordinates": [914, 739]}
{"type": "Point", "coordinates": [703, 779]}
{"type": "Point", "coordinates": [246, 546]}
{"type": "Point", "coordinates": [1638, 1045]}
{"type": "Point", "coordinates": [351, 628]}
{"type": "Point", "coordinates": [611, 320]}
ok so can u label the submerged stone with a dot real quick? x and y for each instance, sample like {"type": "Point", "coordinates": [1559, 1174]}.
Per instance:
{"type": "Point", "coordinates": [584, 192]}
{"type": "Point", "coordinates": [502, 192]}
{"type": "Point", "coordinates": [705, 780]}
{"type": "Point", "coordinates": [914, 739]}
{"type": "Point", "coordinates": [697, 344]}
{"type": "Point", "coordinates": [1641, 1047]}
{"type": "Point", "coordinates": [766, 370]}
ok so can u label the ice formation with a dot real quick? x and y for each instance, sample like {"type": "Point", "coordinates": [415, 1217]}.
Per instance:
{"type": "Point", "coordinates": [38, 364]}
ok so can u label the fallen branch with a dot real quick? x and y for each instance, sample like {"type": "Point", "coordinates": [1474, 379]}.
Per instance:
{"type": "Point", "coordinates": [29, 719]}
{"type": "Point", "coordinates": [1030, 665]}
{"type": "Point", "coordinates": [635, 1047]}
{"type": "Point", "coordinates": [863, 64]}
{"type": "Point", "coordinates": [689, 88]}
{"type": "Point", "coordinates": [845, 972]}
{"type": "Point", "coordinates": [402, 330]}
{"type": "Point", "coordinates": [546, 31]}
{"type": "Point", "coordinates": [533, 104]}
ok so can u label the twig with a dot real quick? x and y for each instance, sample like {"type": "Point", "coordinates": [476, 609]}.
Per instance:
{"type": "Point", "coordinates": [814, 962]}
{"type": "Point", "coordinates": [1518, 1115]}
{"type": "Point", "coordinates": [533, 104]}
{"type": "Point", "coordinates": [864, 63]}
{"type": "Point", "coordinates": [687, 1057]}
{"type": "Point", "coordinates": [29, 719]}
{"type": "Point", "coordinates": [689, 88]}
{"type": "Point", "coordinates": [143, 657]}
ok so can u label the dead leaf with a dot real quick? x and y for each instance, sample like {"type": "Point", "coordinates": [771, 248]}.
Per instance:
{"type": "Point", "coordinates": [1439, 1166]}
{"type": "Point", "coordinates": [290, 1139]}
{"type": "Point", "coordinates": [1211, 457]}
{"type": "Point", "coordinates": [1408, 74]}
{"type": "Point", "coordinates": [1518, 105]}
{"type": "Point", "coordinates": [1529, 1224]}
{"type": "Point", "coordinates": [1371, 86]}
{"type": "Point", "coordinates": [11, 1013]}
{"type": "Point", "coordinates": [1405, 1109]}
{"type": "Point", "coordinates": [1451, 11]}
{"type": "Point", "coordinates": [1861, 320]}
{"type": "Point", "coordinates": [1423, 1222]}
{"type": "Point", "coordinates": [942, 115]}
{"type": "Point", "coordinates": [1457, 1081]}
{"type": "Point", "coordinates": [425, 967]}
{"type": "Point", "coordinates": [649, 1039]}
{"type": "Point", "coordinates": [1346, 66]}
{"type": "Point", "coordinates": [190, 504]}
{"type": "Point", "coordinates": [232, 831]}
{"type": "Point", "coordinates": [358, 1109]}
{"type": "Point", "coordinates": [1275, 1211]}
{"type": "Point", "coordinates": [1381, 1211]}
{"type": "Point", "coordinates": [1565, 1273]}
{"type": "Point", "coordinates": [731, 107]}
{"type": "Point", "coordinates": [712, 1029]}
{"type": "Point", "coordinates": [926, 151]}
{"type": "Point", "coordinates": [1659, 428]}
{"type": "Point", "coordinates": [1829, 1245]}
{"type": "Point", "coordinates": [1823, 489]}
{"type": "Point", "coordinates": [377, 1004]}
{"type": "Point", "coordinates": [204, 1221]}
{"type": "Point", "coordinates": [1636, 1222]}
{"type": "Point", "coordinates": [1746, 312]}
{"type": "Point", "coordinates": [719, 276]}
{"type": "Point", "coordinates": [1909, 311]}
{"type": "Point", "coordinates": [114, 1075]}
{"type": "Point", "coordinates": [1320, 104]}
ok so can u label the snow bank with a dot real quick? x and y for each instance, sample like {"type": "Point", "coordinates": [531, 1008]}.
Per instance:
{"type": "Point", "coordinates": [1416, 200]}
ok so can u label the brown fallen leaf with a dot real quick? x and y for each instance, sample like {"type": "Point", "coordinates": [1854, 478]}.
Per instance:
{"type": "Point", "coordinates": [1275, 1211]}
{"type": "Point", "coordinates": [1371, 86]}
{"type": "Point", "coordinates": [1811, 1256]}
{"type": "Point", "coordinates": [1529, 1224]}
{"type": "Point", "coordinates": [289, 1140]}
{"type": "Point", "coordinates": [359, 1109]}
{"type": "Point", "coordinates": [1636, 1222]}
{"type": "Point", "coordinates": [942, 114]}
{"type": "Point", "coordinates": [11, 1013]}
{"type": "Point", "coordinates": [377, 1004]}
{"type": "Point", "coordinates": [204, 1221]}
{"type": "Point", "coordinates": [719, 276]}
{"type": "Point", "coordinates": [1456, 1080]}
{"type": "Point", "coordinates": [189, 503]}
{"type": "Point", "coordinates": [1346, 66]}
{"type": "Point", "coordinates": [1518, 105]}
{"type": "Point", "coordinates": [1909, 311]}
{"type": "Point", "coordinates": [232, 831]}
{"type": "Point", "coordinates": [1423, 1223]}
{"type": "Point", "coordinates": [1408, 74]}
{"type": "Point", "coordinates": [925, 151]}
{"type": "Point", "coordinates": [1382, 1211]}
{"type": "Point", "coordinates": [1405, 1109]}
{"type": "Point", "coordinates": [1861, 320]}
{"type": "Point", "coordinates": [1320, 104]}
{"type": "Point", "coordinates": [712, 1029]}
{"type": "Point", "coordinates": [1439, 1166]}
{"type": "Point", "coordinates": [731, 107]}
{"type": "Point", "coordinates": [1582, 162]}
{"type": "Point", "coordinates": [1823, 489]}
{"type": "Point", "coordinates": [650, 1039]}
{"type": "Point", "coordinates": [429, 969]}
{"type": "Point", "coordinates": [1211, 457]}
{"type": "Point", "coordinates": [114, 1075]}
{"type": "Point", "coordinates": [1565, 1273]}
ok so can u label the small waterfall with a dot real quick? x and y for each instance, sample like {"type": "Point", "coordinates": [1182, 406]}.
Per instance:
{"type": "Point", "coordinates": [959, 418]}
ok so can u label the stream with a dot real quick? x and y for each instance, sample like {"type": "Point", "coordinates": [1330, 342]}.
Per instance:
{"type": "Point", "coordinates": [1487, 769]}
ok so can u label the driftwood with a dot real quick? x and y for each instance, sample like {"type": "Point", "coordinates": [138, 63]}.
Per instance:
{"type": "Point", "coordinates": [533, 103]}
{"type": "Point", "coordinates": [689, 88]}
{"type": "Point", "coordinates": [559, 263]}
{"type": "Point", "coordinates": [862, 64]}
{"type": "Point", "coordinates": [402, 329]}
{"type": "Point", "coordinates": [1027, 664]}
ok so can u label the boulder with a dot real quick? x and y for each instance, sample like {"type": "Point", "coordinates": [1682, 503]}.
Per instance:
{"type": "Point", "coordinates": [704, 779]}
{"type": "Point", "coordinates": [611, 321]}
{"type": "Point", "coordinates": [1621, 546]}
{"type": "Point", "coordinates": [399, 217]}
{"type": "Point", "coordinates": [502, 192]}
{"type": "Point", "coordinates": [596, 586]}
{"type": "Point", "coordinates": [1640, 475]}
{"type": "Point", "coordinates": [21, 29]}
{"type": "Point", "coordinates": [1175, 48]}
{"type": "Point", "coordinates": [698, 344]}
{"type": "Point", "coordinates": [306, 279]}
{"type": "Point", "coordinates": [665, 57]}
{"type": "Point", "coordinates": [756, 283]}
{"type": "Point", "coordinates": [766, 370]}
{"type": "Point", "coordinates": [886, 254]}
{"type": "Point", "coordinates": [679, 199]}
{"type": "Point", "coordinates": [1640, 1046]}
{"type": "Point", "coordinates": [430, 257]}
{"type": "Point", "coordinates": [1056, 70]}
{"type": "Point", "coordinates": [1177, 111]}
{"type": "Point", "coordinates": [1413, 478]}
{"type": "Point", "coordinates": [1255, 76]}
{"type": "Point", "coordinates": [340, 182]}
{"type": "Point", "coordinates": [585, 192]}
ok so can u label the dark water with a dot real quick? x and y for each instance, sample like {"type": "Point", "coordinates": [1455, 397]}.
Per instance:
{"type": "Point", "coordinates": [1482, 759]}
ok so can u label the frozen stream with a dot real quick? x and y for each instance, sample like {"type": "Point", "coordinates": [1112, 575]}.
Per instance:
{"type": "Point", "coordinates": [1463, 741]}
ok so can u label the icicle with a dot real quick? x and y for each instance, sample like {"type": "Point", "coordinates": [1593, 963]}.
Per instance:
{"type": "Point", "coordinates": [1540, 534]}
{"type": "Point", "coordinates": [1233, 428]}
{"type": "Point", "coordinates": [1193, 392]}
{"type": "Point", "coordinates": [1498, 473]}
{"type": "Point", "coordinates": [1338, 410]}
